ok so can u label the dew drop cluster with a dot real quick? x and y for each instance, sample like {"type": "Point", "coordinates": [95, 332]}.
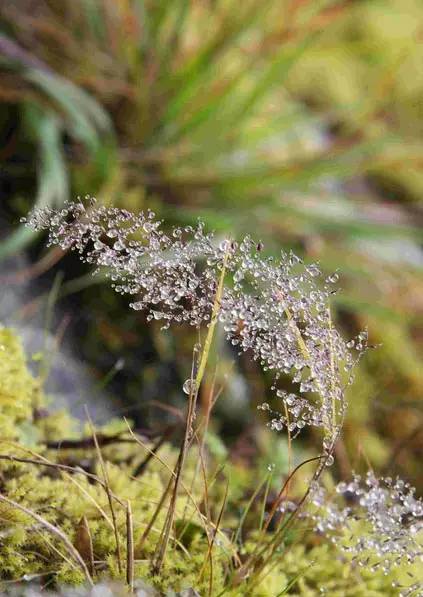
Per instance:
{"type": "Point", "coordinates": [378, 521]}
{"type": "Point", "coordinates": [276, 310]}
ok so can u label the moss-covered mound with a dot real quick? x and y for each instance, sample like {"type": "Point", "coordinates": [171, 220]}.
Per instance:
{"type": "Point", "coordinates": [64, 512]}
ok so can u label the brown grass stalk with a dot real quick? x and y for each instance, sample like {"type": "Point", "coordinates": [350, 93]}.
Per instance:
{"type": "Point", "coordinates": [107, 489]}
{"type": "Point", "coordinates": [129, 547]}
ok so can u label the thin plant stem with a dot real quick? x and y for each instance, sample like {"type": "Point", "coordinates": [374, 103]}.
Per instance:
{"type": "Point", "coordinates": [263, 546]}
{"type": "Point", "coordinates": [201, 442]}
{"type": "Point", "coordinates": [129, 548]}
{"type": "Point", "coordinates": [107, 489]}
{"type": "Point", "coordinates": [54, 531]}
{"type": "Point", "coordinates": [172, 474]}
{"type": "Point", "coordinates": [289, 444]}
{"type": "Point", "coordinates": [332, 370]}
{"type": "Point", "coordinates": [266, 493]}
{"type": "Point", "coordinates": [211, 544]}
{"type": "Point", "coordinates": [66, 470]}
{"type": "Point", "coordinates": [164, 540]}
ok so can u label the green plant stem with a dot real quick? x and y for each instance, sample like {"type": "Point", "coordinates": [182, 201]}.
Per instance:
{"type": "Point", "coordinates": [164, 538]}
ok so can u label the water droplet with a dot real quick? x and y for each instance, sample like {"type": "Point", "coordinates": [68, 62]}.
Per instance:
{"type": "Point", "coordinates": [329, 460]}
{"type": "Point", "coordinates": [118, 246]}
{"type": "Point", "coordinates": [313, 270]}
{"type": "Point", "coordinates": [333, 278]}
{"type": "Point", "coordinates": [189, 387]}
{"type": "Point", "coordinates": [120, 364]}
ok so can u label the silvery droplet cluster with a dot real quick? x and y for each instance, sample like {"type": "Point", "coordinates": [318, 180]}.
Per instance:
{"type": "Point", "coordinates": [379, 521]}
{"type": "Point", "coordinates": [277, 310]}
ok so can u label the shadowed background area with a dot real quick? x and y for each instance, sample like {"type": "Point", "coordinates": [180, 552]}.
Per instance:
{"type": "Point", "coordinates": [298, 121]}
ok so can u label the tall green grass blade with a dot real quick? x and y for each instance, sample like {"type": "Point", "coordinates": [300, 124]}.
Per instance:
{"type": "Point", "coordinates": [94, 18]}
{"type": "Point", "coordinates": [85, 119]}
{"type": "Point", "coordinates": [275, 74]}
{"type": "Point", "coordinates": [191, 78]}
{"type": "Point", "coordinates": [14, 243]}
{"type": "Point", "coordinates": [52, 173]}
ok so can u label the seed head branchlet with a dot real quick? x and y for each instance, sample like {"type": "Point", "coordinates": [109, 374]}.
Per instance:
{"type": "Point", "coordinates": [277, 310]}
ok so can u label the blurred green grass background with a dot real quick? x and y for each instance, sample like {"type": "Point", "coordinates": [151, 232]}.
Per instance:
{"type": "Point", "coordinates": [299, 121]}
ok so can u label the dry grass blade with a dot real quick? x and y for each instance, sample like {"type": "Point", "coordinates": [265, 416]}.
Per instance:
{"type": "Point", "coordinates": [66, 470]}
{"type": "Point", "coordinates": [247, 508]}
{"type": "Point", "coordinates": [108, 491]}
{"type": "Point", "coordinates": [54, 531]}
{"type": "Point", "coordinates": [159, 443]}
{"type": "Point", "coordinates": [84, 543]}
{"type": "Point", "coordinates": [156, 513]}
{"type": "Point", "coordinates": [265, 496]}
{"type": "Point", "coordinates": [53, 547]}
{"type": "Point", "coordinates": [200, 435]}
{"type": "Point", "coordinates": [201, 516]}
{"type": "Point", "coordinates": [209, 557]}
{"type": "Point", "coordinates": [263, 546]}
{"type": "Point", "coordinates": [167, 527]}
{"type": "Point", "coordinates": [129, 547]}
{"type": "Point", "coordinates": [205, 497]}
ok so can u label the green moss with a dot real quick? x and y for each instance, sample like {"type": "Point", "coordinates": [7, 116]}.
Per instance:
{"type": "Point", "coordinates": [63, 499]}
{"type": "Point", "coordinates": [19, 391]}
